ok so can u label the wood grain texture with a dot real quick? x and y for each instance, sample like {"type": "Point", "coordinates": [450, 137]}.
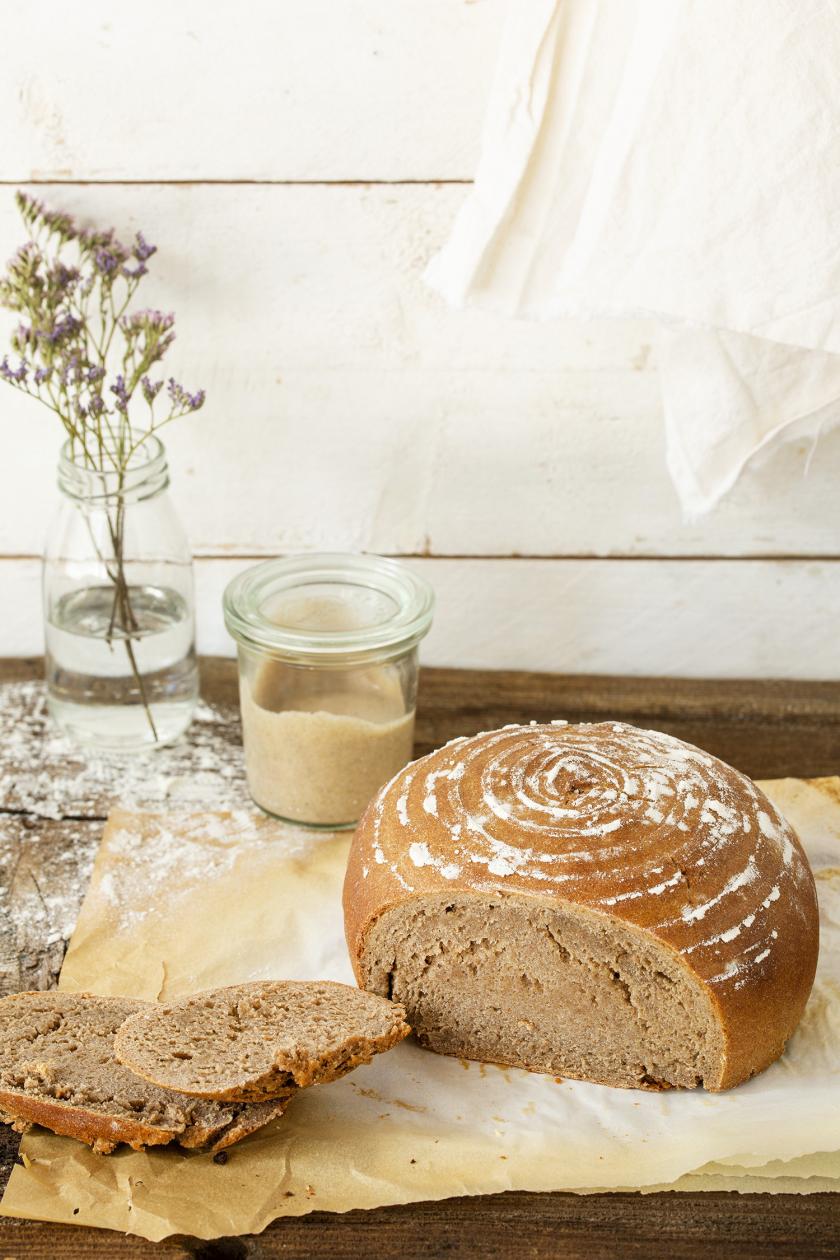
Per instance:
{"type": "Point", "coordinates": [699, 618]}
{"type": "Point", "coordinates": [349, 409]}
{"type": "Point", "coordinates": [766, 728]}
{"type": "Point", "coordinates": [45, 865]}
{"type": "Point", "coordinates": [363, 89]}
{"type": "Point", "coordinates": [769, 729]}
{"type": "Point", "coordinates": [496, 1227]}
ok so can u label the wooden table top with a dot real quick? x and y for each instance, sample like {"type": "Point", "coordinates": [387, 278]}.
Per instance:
{"type": "Point", "coordinates": [51, 813]}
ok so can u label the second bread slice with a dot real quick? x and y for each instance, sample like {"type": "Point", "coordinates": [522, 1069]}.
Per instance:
{"type": "Point", "coordinates": [255, 1041]}
{"type": "Point", "coordinates": [57, 1069]}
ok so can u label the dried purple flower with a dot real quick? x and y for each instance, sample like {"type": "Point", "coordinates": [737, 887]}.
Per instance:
{"type": "Point", "coordinates": [36, 215]}
{"type": "Point", "coordinates": [70, 336]}
{"type": "Point", "coordinates": [63, 278]}
{"type": "Point", "coordinates": [147, 320]}
{"type": "Point", "coordinates": [72, 370]}
{"type": "Point", "coordinates": [150, 332]}
{"type": "Point", "coordinates": [15, 376]}
{"type": "Point", "coordinates": [181, 398]}
{"type": "Point", "coordinates": [91, 239]}
{"type": "Point", "coordinates": [24, 338]}
{"type": "Point", "coordinates": [151, 389]}
{"type": "Point", "coordinates": [121, 394]}
{"type": "Point", "coordinates": [65, 327]}
{"type": "Point", "coordinates": [142, 249]}
{"type": "Point", "coordinates": [29, 207]}
{"type": "Point", "coordinates": [106, 261]}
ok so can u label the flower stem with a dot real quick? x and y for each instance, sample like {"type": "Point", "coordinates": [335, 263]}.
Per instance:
{"type": "Point", "coordinates": [122, 613]}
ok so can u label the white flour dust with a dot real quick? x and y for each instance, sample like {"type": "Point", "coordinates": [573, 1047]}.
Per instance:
{"type": "Point", "coordinates": [42, 773]}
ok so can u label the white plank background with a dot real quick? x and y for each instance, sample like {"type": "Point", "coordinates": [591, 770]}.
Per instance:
{"type": "Point", "coordinates": [297, 162]}
{"type": "Point", "coordinates": [579, 616]}
{"type": "Point", "coordinates": [246, 89]}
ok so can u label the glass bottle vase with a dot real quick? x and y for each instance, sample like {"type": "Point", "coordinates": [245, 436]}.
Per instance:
{"type": "Point", "coordinates": [119, 606]}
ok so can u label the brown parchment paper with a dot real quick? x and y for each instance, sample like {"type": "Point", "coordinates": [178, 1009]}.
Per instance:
{"type": "Point", "coordinates": [179, 903]}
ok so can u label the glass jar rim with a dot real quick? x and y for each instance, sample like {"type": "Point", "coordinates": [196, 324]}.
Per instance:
{"type": "Point", "coordinates": [146, 474]}
{"type": "Point", "coordinates": [246, 595]}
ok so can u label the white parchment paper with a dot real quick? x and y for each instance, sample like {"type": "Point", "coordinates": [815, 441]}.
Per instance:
{"type": "Point", "coordinates": [179, 903]}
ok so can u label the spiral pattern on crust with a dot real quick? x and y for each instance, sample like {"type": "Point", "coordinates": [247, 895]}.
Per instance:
{"type": "Point", "coordinates": [629, 822]}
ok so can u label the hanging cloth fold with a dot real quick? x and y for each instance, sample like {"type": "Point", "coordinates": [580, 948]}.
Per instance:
{"type": "Point", "coordinates": [676, 159]}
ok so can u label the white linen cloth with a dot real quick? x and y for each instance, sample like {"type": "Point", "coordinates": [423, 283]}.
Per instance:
{"type": "Point", "coordinates": [677, 159]}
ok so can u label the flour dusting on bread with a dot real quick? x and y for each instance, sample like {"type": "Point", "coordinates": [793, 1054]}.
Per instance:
{"type": "Point", "coordinates": [589, 806]}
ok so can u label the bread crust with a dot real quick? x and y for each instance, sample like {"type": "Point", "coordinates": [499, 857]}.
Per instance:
{"type": "Point", "coordinates": [104, 1134]}
{"type": "Point", "coordinates": [100, 1132]}
{"type": "Point", "coordinates": [248, 1119]}
{"type": "Point", "coordinates": [633, 825]}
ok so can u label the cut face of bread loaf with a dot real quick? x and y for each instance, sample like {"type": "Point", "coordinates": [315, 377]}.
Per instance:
{"type": "Point", "coordinates": [251, 1041]}
{"type": "Point", "coordinates": [57, 1069]}
{"type": "Point", "coordinates": [514, 980]}
{"type": "Point", "coordinates": [592, 901]}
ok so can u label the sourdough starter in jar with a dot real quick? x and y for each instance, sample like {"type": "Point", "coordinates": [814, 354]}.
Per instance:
{"type": "Point", "coordinates": [327, 680]}
{"type": "Point", "coordinates": [321, 755]}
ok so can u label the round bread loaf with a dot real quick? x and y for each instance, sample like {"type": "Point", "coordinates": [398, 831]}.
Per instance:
{"type": "Point", "coordinates": [593, 901]}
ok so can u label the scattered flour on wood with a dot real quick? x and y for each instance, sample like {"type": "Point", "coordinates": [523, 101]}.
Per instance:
{"type": "Point", "coordinates": [47, 780]}
{"type": "Point", "coordinates": [42, 773]}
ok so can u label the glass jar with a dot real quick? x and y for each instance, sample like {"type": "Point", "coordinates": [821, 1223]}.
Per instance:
{"type": "Point", "coordinates": [327, 650]}
{"type": "Point", "coordinates": [119, 606]}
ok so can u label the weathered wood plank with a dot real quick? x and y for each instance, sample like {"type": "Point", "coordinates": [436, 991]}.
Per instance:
{"type": "Point", "coordinates": [769, 729]}
{"type": "Point", "coordinates": [348, 408]}
{"type": "Point", "coordinates": [364, 89]}
{"type": "Point", "coordinates": [695, 619]}
{"type": "Point", "coordinates": [45, 865]}
{"type": "Point", "coordinates": [45, 777]}
{"type": "Point", "coordinates": [591, 1227]}
{"type": "Point", "coordinates": [497, 1227]}
{"type": "Point", "coordinates": [736, 619]}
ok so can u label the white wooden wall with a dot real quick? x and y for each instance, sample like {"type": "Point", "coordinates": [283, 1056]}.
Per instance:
{"type": "Point", "coordinates": [297, 162]}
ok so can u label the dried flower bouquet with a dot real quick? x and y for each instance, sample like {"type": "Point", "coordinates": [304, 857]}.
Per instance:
{"type": "Point", "coordinates": [82, 352]}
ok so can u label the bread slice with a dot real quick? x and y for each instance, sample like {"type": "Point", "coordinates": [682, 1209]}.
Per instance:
{"type": "Point", "coordinates": [252, 1041]}
{"type": "Point", "coordinates": [245, 1118]}
{"type": "Point", "coordinates": [57, 1069]}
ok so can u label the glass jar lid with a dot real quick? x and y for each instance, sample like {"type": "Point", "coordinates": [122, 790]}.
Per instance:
{"type": "Point", "coordinates": [330, 608]}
